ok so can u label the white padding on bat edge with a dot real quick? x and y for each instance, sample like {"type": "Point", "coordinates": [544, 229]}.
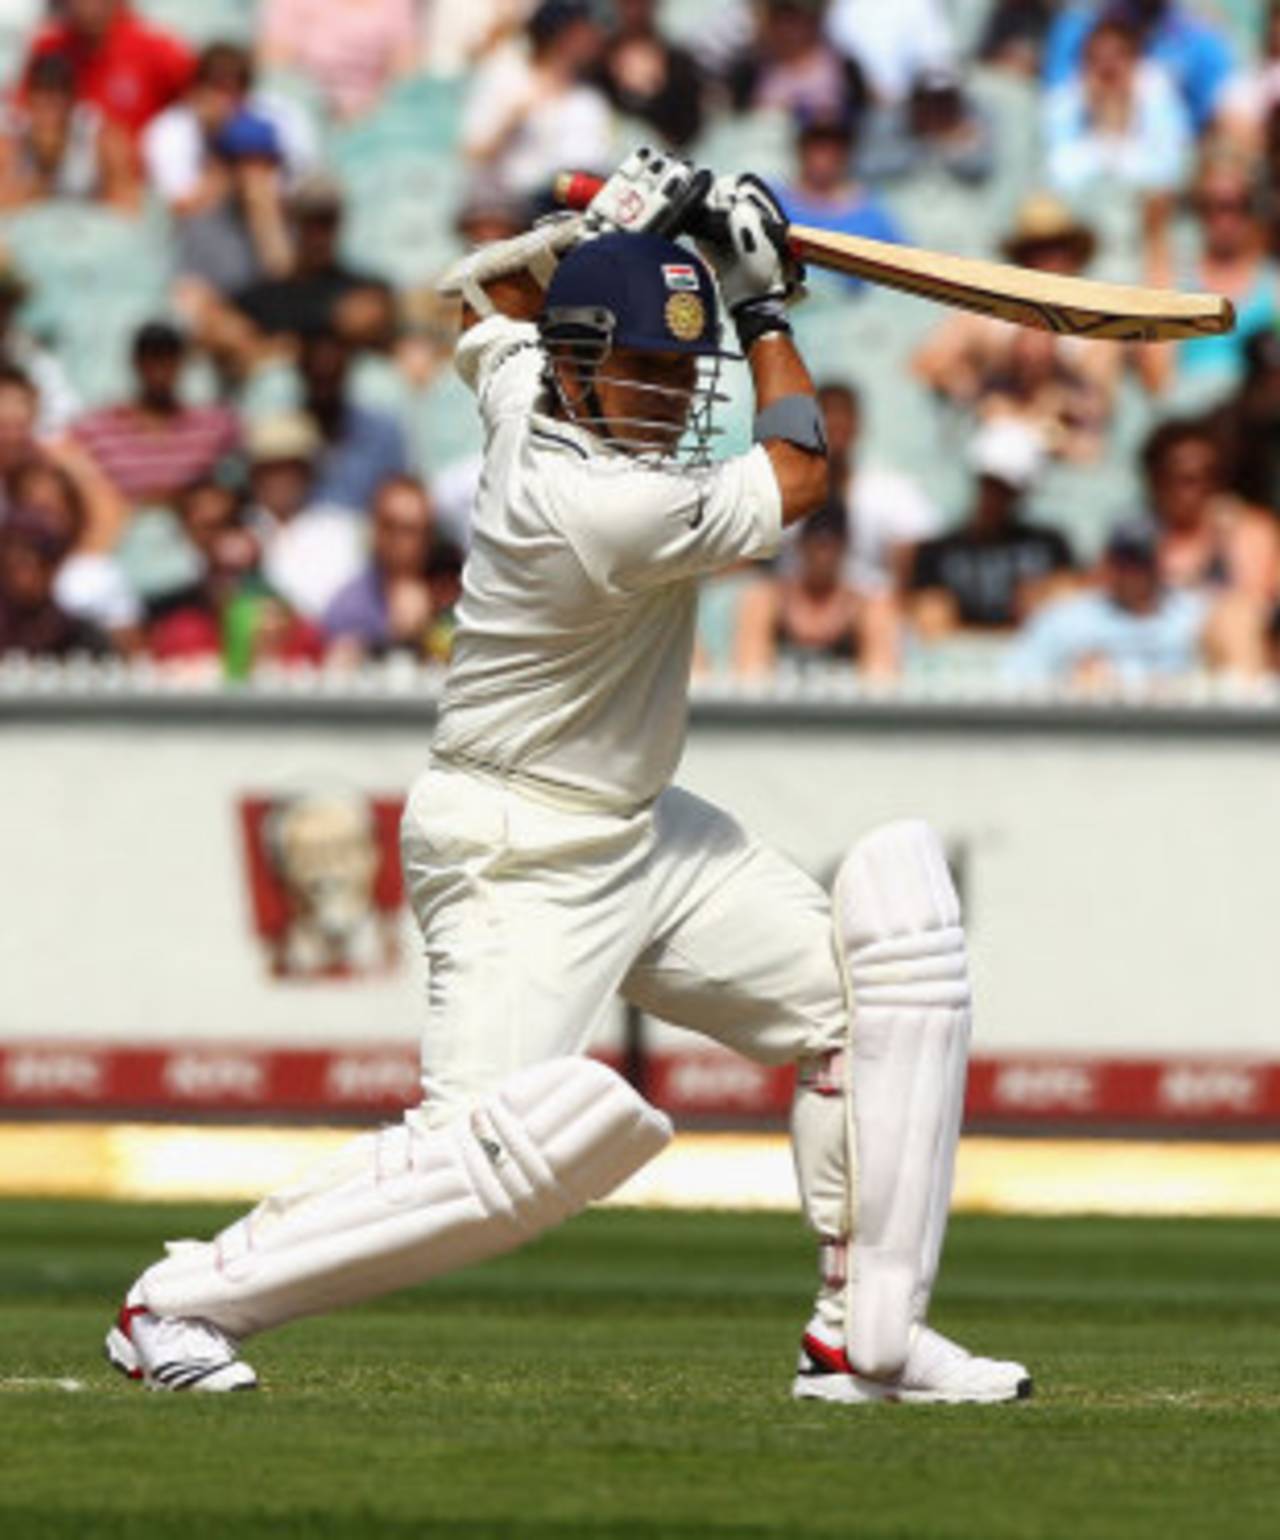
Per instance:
{"type": "Point", "coordinates": [407, 1204]}
{"type": "Point", "coordinates": [897, 918]}
{"type": "Point", "coordinates": [536, 251]}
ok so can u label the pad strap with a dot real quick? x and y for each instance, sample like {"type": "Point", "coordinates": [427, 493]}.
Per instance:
{"type": "Point", "coordinates": [795, 419]}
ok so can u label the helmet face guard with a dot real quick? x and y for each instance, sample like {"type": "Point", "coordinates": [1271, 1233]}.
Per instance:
{"type": "Point", "coordinates": [647, 294]}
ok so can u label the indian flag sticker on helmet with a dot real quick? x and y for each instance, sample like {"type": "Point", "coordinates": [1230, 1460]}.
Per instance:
{"type": "Point", "coordinates": [678, 275]}
{"type": "Point", "coordinates": [686, 317]}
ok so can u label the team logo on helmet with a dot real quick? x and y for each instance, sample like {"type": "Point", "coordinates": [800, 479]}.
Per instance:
{"type": "Point", "coordinates": [686, 316]}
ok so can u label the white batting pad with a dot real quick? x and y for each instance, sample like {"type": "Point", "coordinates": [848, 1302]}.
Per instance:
{"type": "Point", "coordinates": [898, 924]}
{"type": "Point", "coordinates": [407, 1204]}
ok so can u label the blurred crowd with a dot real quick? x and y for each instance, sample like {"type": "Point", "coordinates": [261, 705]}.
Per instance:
{"type": "Point", "coordinates": [283, 467]}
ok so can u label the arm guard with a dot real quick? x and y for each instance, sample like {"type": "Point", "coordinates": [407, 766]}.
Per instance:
{"type": "Point", "coordinates": [795, 419]}
{"type": "Point", "coordinates": [537, 251]}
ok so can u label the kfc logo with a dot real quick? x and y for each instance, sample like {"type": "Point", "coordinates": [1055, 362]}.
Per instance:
{"type": "Point", "coordinates": [324, 872]}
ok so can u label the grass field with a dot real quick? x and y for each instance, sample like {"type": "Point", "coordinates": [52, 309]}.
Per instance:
{"type": "Point", "coordinates": [627, 1377]}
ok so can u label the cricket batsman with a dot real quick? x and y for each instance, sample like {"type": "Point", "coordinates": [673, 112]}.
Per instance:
{"type": "Point", "coordinates": [552, 865]}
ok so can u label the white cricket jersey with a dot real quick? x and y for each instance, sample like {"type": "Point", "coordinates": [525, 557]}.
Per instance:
{"type": "Point", "coordinates": [575, 629]}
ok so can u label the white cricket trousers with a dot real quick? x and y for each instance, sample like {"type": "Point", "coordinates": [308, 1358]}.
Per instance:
{"type": "Point", "coordinates": [535, 914]}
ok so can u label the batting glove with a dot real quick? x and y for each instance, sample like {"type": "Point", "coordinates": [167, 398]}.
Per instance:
{"type": "Point", "coordinates": [650, 190]}
{"type": "Point", "coordinates": [748, 249]}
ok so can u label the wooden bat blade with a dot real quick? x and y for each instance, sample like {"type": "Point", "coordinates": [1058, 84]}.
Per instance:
{"type": "Point", "coordinates": [1049, 301]}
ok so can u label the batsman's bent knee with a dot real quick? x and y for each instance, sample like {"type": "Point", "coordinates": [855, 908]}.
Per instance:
{"type": "Point", "coordinates": [408, 1204]}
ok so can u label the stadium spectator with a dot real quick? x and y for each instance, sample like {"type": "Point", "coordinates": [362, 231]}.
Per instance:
{"type": "Point", "coordinates": [812, 614]}
{"type": "Point", "coordinates": [153, 445]}
{"type": "Point", "coordinates": [1188, 46]}
{"type": "Point", "coordinates": [32, 622]}
{"type": "Point", "coordinates": [388, 606]}
{"type": "Point", "coordinates": [90, 585]}
{"type": "Point", "coordinates": [937, 127]}
{"type": "Point", "coordinates": [1207, 537]}
{"type": "Point", "coordinates": [531, 114]}
{"type": "Point", "coordinates": [1120, 119]}
{"type": "Point", "coordinates": [319, 292]}
{"type": "Point", "coordinates": [649, 78]}
{"type": "Point", "coordinates": [894, 43]}
{"type": "Point", "coordinates": [887, 513]}
{"type": "Point", "coordinates": [178, 145]}
{"type": "Point", "coordinates": [122, 65]}
{"type": "Point", "coordinates": [1247, 425]}
{"type": "Point", "coordinates": [1229, 255]}
{"type": "Point", "coordinates": [997, 567]}
{"type": "Point", "coordinates": [1014, 36]}
{"type": "Point", "coordinates": [229, 615]}
{"type": "Point", "coordinates": [309, 550]}
{"type": "Point", "coordinates": [489, 212]}
{"type": "Point", "coordinates": [455, 38]}
{"type": "Point", "coordinates": [236, 232]}
{"type": "Point", "coordinates": [353, 50]}
{"type": "Point", "coordinates": [824, 192]}
{"type": "Point", "coordinates": [1130, 629]}
{"type": "Point", "coordinates": [1253, 95]}
{"type": "Point", "coordinates": [361, 447]}
{"type": "Point", "coordinates": [53, 146]}
{"type": "Point", "coordinates": [1063, 387]}
{"type": "Point", "coordinates": [790, 67]}
{"type": "Point", "coordinates": [1271, 642]}
{"type": "Point", "coordinates": [58, 402]}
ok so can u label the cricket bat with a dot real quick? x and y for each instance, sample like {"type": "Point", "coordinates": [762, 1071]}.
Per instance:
{"type": "Point", "coordinates": [1077, 307]}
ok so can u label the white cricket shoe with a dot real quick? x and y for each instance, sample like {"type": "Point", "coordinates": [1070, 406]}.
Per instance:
{"type": "Point", "coordinates": [175, 1354]}
{"type": "Point", "coordinates": [937, 1371]}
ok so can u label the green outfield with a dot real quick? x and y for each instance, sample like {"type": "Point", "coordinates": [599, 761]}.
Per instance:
{"type": "Point", "coordinates": [627, 1377]}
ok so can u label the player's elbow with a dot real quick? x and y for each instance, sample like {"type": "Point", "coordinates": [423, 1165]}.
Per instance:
{"type": "Point", "coordinates": [803, 480]}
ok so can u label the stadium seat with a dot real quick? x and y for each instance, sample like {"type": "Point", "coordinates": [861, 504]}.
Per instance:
{"type": "Point", "coordinates": [204, 21]}
{"type": "Point", "coordinates": [100, 274]}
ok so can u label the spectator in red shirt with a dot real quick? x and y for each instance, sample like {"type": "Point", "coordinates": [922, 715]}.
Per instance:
{"type": "Point", "coordinates": [152, 446]}
{"type": "Point", "coordinates": [125, 67]}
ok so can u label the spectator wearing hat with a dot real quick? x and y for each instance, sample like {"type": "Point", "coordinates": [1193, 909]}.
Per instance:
{"type": "Point", "coordinates": [32, 622]}
{"type": "Point", "coordinates": [1064, 388]}
{"type": "Point", "coordinates": [353, 50]}
{"type": "Point", "coordinates": [1188, 47]}
{"type": "Point", "coordinates": [53, 146]}
{"type": "Point", "coordinates": [125, 67]}
{"type": "Point", "coordinates": [996, 568]}
{"type": "Point", "coordinates": [178, 145]}
{"type": "Point", "coordinates": [1120, 120]}
{"type": "Point", "coordinates": [824, 193]}
{"type": "Point", "coordinates": [533, 112]}
{"type": "Point", "coordinates": [310, 550]}
{"type": "Point", "coordinates": [936, 128]}
{"type": "Point", "coordinates": [56, 398]}
{"type": "Point", "coordinates": [811, 614]}
{"type": "Point", "coordinates": [894, 43]}
{"type": "Point", "coordinates": [649, 78]}
{"type": "Point", "coordinates": [236, 233]}
{"type": "Point", "coordinates": [153, 445]}
{"type": "Point", "coordinates": [790, 67]}
{"type": "Point", "coordinates": [1129, 629]}
{"type": "Point", "coordinates": [388, 606]}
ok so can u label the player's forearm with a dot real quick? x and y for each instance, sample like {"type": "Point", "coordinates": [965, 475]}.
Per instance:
{"type": "Point", "coordinates": [517, 296]}
{"type": "Point", "coordinates": [777, 372]}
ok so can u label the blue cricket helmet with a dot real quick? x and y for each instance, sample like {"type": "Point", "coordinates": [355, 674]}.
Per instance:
{"type": "Point", "coordinates": [633, 291]}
